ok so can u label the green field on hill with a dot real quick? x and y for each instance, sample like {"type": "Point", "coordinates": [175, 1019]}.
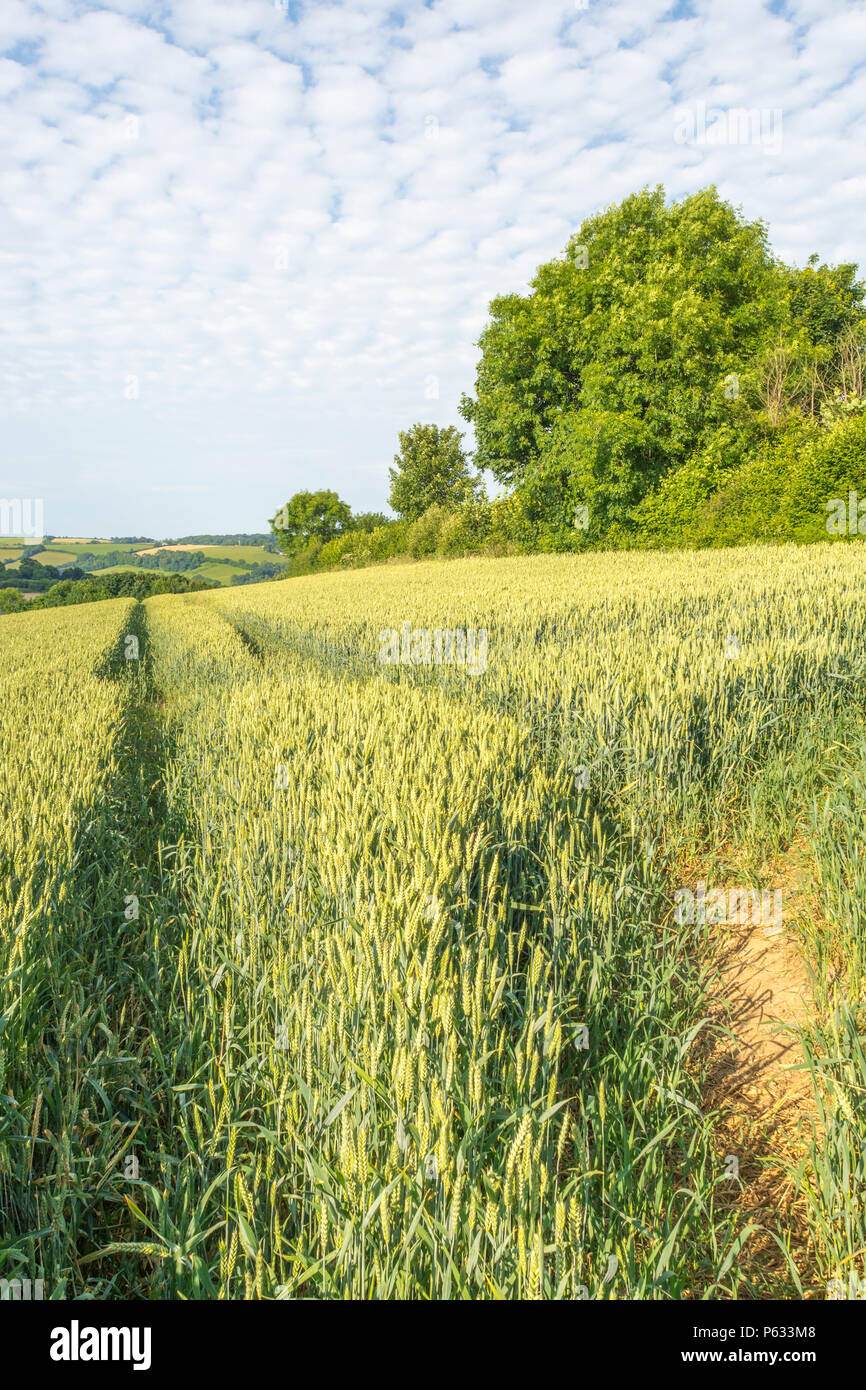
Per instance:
{"type": "Point", "coordinates": [252, 554]}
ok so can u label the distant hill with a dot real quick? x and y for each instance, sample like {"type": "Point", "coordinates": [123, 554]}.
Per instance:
{"type": "Point", "coordinates": [29, 567]}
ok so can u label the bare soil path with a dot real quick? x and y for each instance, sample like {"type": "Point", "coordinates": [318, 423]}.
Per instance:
{"type": "Point", "coordinates": [757, 1082]}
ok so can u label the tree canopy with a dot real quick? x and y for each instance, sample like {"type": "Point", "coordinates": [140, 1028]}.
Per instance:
{"type": "Point", "coordinates": [651, 332]}
{"type": "Point", "coordinates": [309, 516]}
{"type": "Point", "coordinates": [431, 470]}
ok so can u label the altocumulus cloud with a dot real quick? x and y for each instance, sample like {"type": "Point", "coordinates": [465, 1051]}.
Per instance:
{"type": "Point", "coordinates": [244, 242]}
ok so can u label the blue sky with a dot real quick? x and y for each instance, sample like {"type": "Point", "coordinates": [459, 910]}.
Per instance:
{"type": "Point", "coordinates": [244, 242]}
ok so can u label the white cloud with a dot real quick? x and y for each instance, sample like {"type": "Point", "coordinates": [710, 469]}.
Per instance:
{"type": "Point", "coordinates": [284, 221]}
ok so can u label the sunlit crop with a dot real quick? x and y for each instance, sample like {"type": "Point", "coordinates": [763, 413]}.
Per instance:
{"type": "Point", "coordinates": [404, 1010]}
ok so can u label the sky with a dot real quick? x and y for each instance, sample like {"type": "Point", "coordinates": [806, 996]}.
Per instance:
{"type": "Point", "coordinates": [243, 243]}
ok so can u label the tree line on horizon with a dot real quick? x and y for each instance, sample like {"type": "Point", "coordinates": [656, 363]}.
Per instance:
{"type": "Point", "coordinates": [93, 588]}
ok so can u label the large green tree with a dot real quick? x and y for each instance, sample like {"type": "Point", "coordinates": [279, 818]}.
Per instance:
{"type": "Point", "coordinates": [310, 516]}
{"type": "Point", "coordinates": [431, 469]}
{"type": "Point", "coordinates": [627, 351]}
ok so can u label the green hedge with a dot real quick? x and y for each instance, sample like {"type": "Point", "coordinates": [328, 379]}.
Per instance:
{"type": "Point", "coordinates": [743, 485]}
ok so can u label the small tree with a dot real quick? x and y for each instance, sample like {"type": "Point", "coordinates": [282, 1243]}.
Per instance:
{"type": "Point", "coordinates": [11, 601]}
{"type": "Point", "coordinates": [310, 516]}
{"type": "Point", "coordinates": [431, 470]}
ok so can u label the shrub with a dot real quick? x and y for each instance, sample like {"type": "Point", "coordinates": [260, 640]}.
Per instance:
{"type": "Point", "coordinates": [11, 601]}
{"type": "Point", "coordinates": [464, 531]}
{"type": "Point", "coordinates": [681, 511]}
{"type": "Point", "coordinates": [423, 535]}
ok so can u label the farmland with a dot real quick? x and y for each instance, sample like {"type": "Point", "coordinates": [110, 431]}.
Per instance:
{"type": "Point", "coordinates": [78, 547]}
{"type": "Point", "coordinates": [328, 972]}
{"type": "Point", "coordinates": [253, 554]}
{"type": "Point", "coordinates": [221, 563]}
{"type": "Point", "coordinates": [52, 556]}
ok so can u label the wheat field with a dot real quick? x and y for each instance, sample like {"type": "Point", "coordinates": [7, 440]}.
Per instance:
{"type": "Point", "coordinates": [338, 953]}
